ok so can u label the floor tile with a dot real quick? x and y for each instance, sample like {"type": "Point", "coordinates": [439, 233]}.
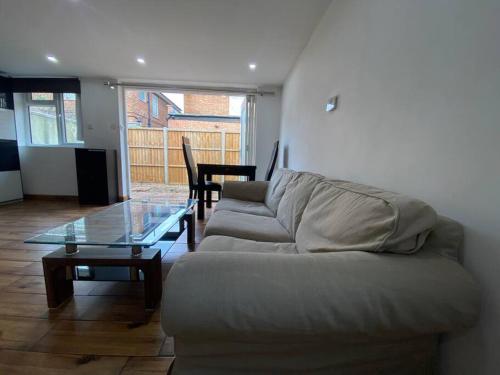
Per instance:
{"type": "Point", "coordinates": [32, 363]}
{"type": "Point", "coordinates": [102, 338]}
{"type": "Point", "coordinates": [147, 366]}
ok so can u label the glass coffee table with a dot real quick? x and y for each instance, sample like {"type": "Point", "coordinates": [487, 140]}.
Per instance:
{"type": "Point", "coordinates": [120, 235]}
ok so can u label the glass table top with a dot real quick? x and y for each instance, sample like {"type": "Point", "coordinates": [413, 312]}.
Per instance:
{"type": "Point", "coordinates": [131, 223]}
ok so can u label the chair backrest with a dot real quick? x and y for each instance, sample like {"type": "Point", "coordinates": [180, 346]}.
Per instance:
{"type": "Point", "coordinates": [272, 162]}
{"type": "Point", "coordinates": [190, 164]}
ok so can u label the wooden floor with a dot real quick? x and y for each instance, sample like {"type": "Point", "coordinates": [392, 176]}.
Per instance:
{"type": "Point", "coordinates": [103, 330]}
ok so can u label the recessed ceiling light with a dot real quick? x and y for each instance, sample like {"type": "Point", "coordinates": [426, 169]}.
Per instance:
{"type": "Point", "coordinates": [252, 66]}
{"type": "Point", "coordinates": [52, 59]}
{"type": "Point", "coordinates": [140, 60]}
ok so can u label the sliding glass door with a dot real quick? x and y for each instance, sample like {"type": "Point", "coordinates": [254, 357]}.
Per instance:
{"type": "Point", "coordinates": [247, 121]}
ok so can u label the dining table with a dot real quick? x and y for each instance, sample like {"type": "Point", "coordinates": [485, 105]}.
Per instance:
{"type": "Point", "coordinates": [206, 173]}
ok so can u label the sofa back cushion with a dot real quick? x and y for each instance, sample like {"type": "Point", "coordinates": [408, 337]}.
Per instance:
{"type": "Point", "coordinates": [295, 199]}
{"type": "Point", "coordinates": [276, 188]}
{"type": "Point", "coordinates": [446, 238]}
{"type": "Point", "coordinates": [343, 216]}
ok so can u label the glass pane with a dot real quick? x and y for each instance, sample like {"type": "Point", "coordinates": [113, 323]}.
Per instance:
{"type": "Point", "coordinates": [43, 122]}
{"type": "Point", "coordinates": [42, 96]}
{"type": "Point", "coordinates": [155, 106]}
{"type": "Point", "coordinates": [70, 118]}
{"type": "Point", "coordinates": [133, 222]}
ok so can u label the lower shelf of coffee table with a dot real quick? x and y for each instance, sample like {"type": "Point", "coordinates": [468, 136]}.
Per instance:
{"type": "Point", "coordinates": [59, 270]}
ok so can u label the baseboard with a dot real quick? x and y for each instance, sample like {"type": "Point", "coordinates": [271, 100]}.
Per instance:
{"type": "Point", "coordinates": [70, 198]}
{"type": "Point", "coordinates": [42, 197]}
{"type": "Point", "coordinates": [10, 202]}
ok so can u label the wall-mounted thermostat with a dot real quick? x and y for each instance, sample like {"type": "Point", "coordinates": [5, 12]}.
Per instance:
{"type": "Point", "coordinates": [331, 105]}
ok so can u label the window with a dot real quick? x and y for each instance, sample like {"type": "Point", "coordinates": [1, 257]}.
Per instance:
{"type": "Point", "coordinates": [71, 129]}
{"type": "Point", "coordinates": [154, 106]}
{"type": "Point", "coordinates": [141, 95]}
{"type": "Point", "coordinates": [42, 96]}
{"type": "Point", "coordinates": [54, 118]}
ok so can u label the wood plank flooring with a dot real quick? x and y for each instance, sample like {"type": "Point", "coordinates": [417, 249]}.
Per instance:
{"type": "Point", "coordinates": [104, 329]}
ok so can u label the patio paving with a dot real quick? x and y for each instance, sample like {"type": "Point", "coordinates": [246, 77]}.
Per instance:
{"type": "Point", "coordinates": [172, 193]}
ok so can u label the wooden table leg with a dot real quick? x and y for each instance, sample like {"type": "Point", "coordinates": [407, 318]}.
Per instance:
{"type": "Point", "coordinates": [201, 203]}
{"type": "Point", "coordinates": [209, 193]}
{"type": "Point", "coordinates": [58, 287]}
{"type": "Point", "coordinates": [152, 282]}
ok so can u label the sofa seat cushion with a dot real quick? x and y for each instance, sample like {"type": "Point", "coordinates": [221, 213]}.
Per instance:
{"type": "Point", "coordinates": [247, 207]}
{"type": "Point", "coordinates": [345, 216]}
{"type": "Point", "coordinates": [231, 244]}
{"type": "Point", "coordinates": [345, 295]}
{"type": "Point", "coordinates": [246, 226]}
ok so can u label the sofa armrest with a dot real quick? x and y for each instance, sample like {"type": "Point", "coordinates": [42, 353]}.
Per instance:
{"type": "Point", "coordinates": [252, 191]}
{"type": "Point", "coordinates": [348, 294]}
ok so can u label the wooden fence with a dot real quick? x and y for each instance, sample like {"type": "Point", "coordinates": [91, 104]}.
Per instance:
{"type": "Point", "coordinates": [155, 154]}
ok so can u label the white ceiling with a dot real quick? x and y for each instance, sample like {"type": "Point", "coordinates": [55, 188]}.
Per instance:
{"type": "Point", "coordinates": [181, 40]}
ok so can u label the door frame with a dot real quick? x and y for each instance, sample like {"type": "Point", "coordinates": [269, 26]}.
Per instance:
{"type": "Point", "coordinates": [248, 152]}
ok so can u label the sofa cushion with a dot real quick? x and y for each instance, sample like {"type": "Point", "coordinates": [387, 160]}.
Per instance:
{"type": "Point", "coordinates": [294, 201]}
{"type": "Point", "coordinates": [251, 227]}
{"type": "Point", "coordinates": [253, 191]}
{"type": "Point", "coordinates": [342, 216]}
{"type": "Point", "coordinates": [276, 188]}
{"type": "Point", "coordinates": [231, 244]}
{"type": "Point", "coordinates": [446, 238]}
{"type": "Point", "coordinates": [247, 207]}
{"type": "Point", "coordinates": [347, 295]}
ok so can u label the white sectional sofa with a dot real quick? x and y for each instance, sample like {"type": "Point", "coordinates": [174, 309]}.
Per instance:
{"type": "Point", "coordinates": [309, 275]}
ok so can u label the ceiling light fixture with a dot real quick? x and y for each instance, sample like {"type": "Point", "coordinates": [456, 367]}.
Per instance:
{"type": "Point", "coordinates": [252, 66]}
{"type": "Point", "coordinates": [52, 59]}
{"type": "Point", "coordinates": [140, 60]}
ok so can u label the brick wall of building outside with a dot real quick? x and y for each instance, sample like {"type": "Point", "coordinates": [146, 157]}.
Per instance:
{"type": "Point", "coordinates": [196, 104]}
{"type": "Point", "coordinates": [137, 110]}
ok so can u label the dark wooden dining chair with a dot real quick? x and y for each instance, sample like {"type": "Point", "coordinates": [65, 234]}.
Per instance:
{"type": "Point", "coordinates": [193, 175]}
{"type": "Point", "coordinates": [272, 162]}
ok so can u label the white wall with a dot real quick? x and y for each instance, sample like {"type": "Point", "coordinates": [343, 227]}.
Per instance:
{"type": "Point", "coordinates": [100, 114]}
{"type": "Point", "coordinates": [48, 170]}
{"type": "Point", "coordinates": [51, 170]}
{"type": "Point", "coordinates": [419, 113]}
{"type": "Point", "coordinates": [267, 128]}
